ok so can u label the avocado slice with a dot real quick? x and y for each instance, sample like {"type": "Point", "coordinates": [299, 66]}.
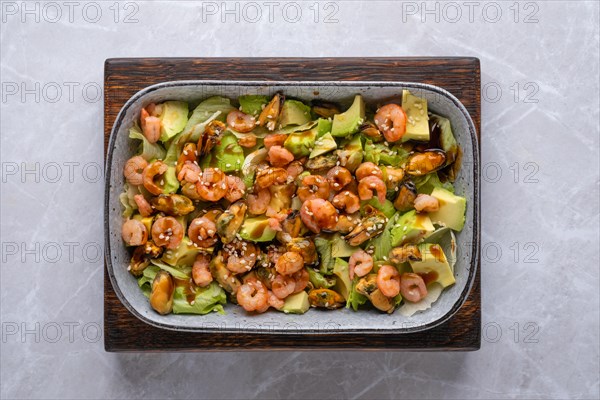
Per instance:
{"type": "Point", "coordinates": [252, 104]}
{"type": "Point", "coordinates": [319, 281]}
{"type": "Point", "coordinates": [341, 248]}
{"type": "Point", "coordinates": [347, 123]}
{"type": "Point", "coordinates": [301, 144]}
{"type": "Point", "coordinates": [173, 119]}
{"type": "Point", "coordinates": [434, 265]}
{"type": "Point", "coordinates": [417, 125]}
{"type": "Point", "coordinates": [410, 228]}
{"type": "Point", "coordinates": [294, 112]}
{"type": "Point", "coordinates": [323, 144]}
{"type": "Point", "coordinates": [257, 230]}
{"type": "Point", "coordinates": [228, 154]}
{"type": "Point", "coordinates": [352, 153]}
{"type": "Point", "coordinates": [343, 284]}
{"type": "Point", "coordinates": [323, 126]}
{"type": "Point", "coordinates": [296, 303]}
{"type": "Point", "coordinates": [183, 256]}
{"type": "Point", "coordinates": [452, 209]}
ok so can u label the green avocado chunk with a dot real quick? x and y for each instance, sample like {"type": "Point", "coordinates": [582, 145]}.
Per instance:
{"type": "Point", "coordinates": [300, 144]}
{"type": "Point", "coordinates": [323, 144]}
{"type": "Point", "coordinates": [296, 303]}
{"type": "Point", "coordinates": [341, 248]}
{"type": "Point", "coordinates": [257, 230]}
{"type": "Point", "coordinates": [343, 284]}
{"type": "Point", "coordinates": [351, 155]}
{"type": "Point", "coordinates": [347, 123]}
{"type": "Point", "coordinates": [183, 256]}
{"type": "Point", "coordinates": [323, 127]}
{"type": "Point", "coordinates": [433, 264]}
{"type": "Point", "coordinates": [228, 154]}
{"type": "Point", "coordinates": [417, 125]}
{"type": "Point", "coordinates": [410, 228]}
{"type": "Point", "coordinates": [252, 104]}
{"type": "Point", "coordinates": [173, 119]}
{"type": "Point", "coordinates": [294, 112]}
{"type": "Point", "coordinates": [452, 209]}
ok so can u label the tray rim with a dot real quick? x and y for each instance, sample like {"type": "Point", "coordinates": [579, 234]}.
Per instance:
{"type": "Point", "coordinates": [475, 248]}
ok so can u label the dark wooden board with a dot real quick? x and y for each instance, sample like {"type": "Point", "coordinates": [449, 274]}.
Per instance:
{"type": "Point", "coordinates": [124, 77]}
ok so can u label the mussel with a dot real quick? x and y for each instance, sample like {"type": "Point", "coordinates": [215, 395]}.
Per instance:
{"type": "Point", "coordinates": [408, 252]}
{"type": "Point", "coordinates": [306, 248]}
{"type": "Point", "coordinates": [173, 204]}
{"type": "Point", "coordinates": [369, 129]}
{"type": "Point", "coordinates": [270, 113]}
{"type": "Point", "coordinates": [230, 222]}
{"type": "Point", "coordinates": [325, 298]}
{"type": "Point", "coordinates": [161, 297]}
{"type": "Point", "coordinates": [321, 163]}
{"type": "Point", "coordinates": [419, 164]}
{"type": "Point", "coordinates": [407, 193]}
{"type": "Point", "coordinates": [325, 109]}
{"type": "Point", "coordinates": [370, 227]}
{"type": "Point", "coordinates": [210, 136]}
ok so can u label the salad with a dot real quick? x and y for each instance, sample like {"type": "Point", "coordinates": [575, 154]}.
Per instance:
{"type": "Point", "coordinates": [275, 203]}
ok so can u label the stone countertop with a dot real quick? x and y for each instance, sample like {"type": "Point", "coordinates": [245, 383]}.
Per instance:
{"type": "Point", "coordinates": [540, 197]}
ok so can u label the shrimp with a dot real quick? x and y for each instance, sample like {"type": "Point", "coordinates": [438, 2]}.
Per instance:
{"type": "Point", "coordinates": [368, 169]}
{"type": "Point", "coordinates": [368, 185]}
{"type": "Point", "coordinates": [300, 280]}
{"type": "Point", "coordinates": [279, 156]}
{"type": "Point", "coordinates": [338, 177]}
{"type": "Point", "coordinates": [236, 188]}
{"type": "Point", "coordinates": [274, 139]}
{"type": "Point", "coordinates": [253, 296]}
{"type": "Point", "coordinates": [248, 140]}
{"type": "Point", "coordinates": [270, 113]}
{"type": "Point", "coordinates": [240, 122]}
{"type": "Point", "coordinates": [150, 126]}
{"type": "Point", "coordinates": [212, 185]}
{"type": "Point", "coordinates": [313, 187]}
{"type": "Point", "coordinates": [347, 201]}
{"type": "Point", "coordinates": [190, 173]}
{"type": "Point", "coordinates": [388, 280]}
{"type": "Point", "coordinates": [241, 256]}
{"type": "Point", "coordinates": [270, 176]}
{"type": "Point", "coordinates": [283, 285]}
{"type": "Point", "coordinates": [275, 301]}
{"type": "Point", "coordinates": [426, 203]}
{"type": "Point", "coordinates": [201, 270]}
{"type": "Point", "coordinates": [154, 109]}
{"type": "Point", "coordinates": [412, 287]}
{"type": "Point", "coordinates": [168, 232]}
{"type": "Point", "coordinates": [318, 214]}
{"type": "Point", "coordinates": [289, 263]}
{"type": "Point", "coordinates": [188, 154]}
{"type": "Point", "coordinates": [294, 169]}
{"type": "Point", "coordinates": [133, 170]}
{"type": "Point", "coordinates": [143, 206]}
{"type": "Point", "coordinates": [202, 232]}
{"type": "Point", "coordinates": [361, 263]}
{"type": "Point", "coordinates": [134, 233]}
{"type": "Point", "coordinates": [391, 120]}
{"type": "Point", "coordinates": [259, 202]}
{"type": "Point", "coordinates": [152, 174]}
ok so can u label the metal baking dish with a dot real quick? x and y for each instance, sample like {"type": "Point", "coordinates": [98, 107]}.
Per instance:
{"type": "Point", "coordinates": [315, 321]}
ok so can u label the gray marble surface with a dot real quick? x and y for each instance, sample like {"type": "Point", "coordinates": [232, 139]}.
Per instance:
{"type": "Point", "coordinates": [540, 206]}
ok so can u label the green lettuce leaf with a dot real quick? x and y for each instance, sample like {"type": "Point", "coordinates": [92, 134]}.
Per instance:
{"type": "Point", "coordinates": [126, 199]}
{"type": "Point", "coordinates": [150, 151]}
{"type": "Point", "coordinates": [208, 299]}
{"type": "Point", "coordinates": [426, 183]}
{"type": "Point", "coordinates": [320, 281]}
{"type": "Point", "coordinates": [253, 104]}
{"type": "Point", "coordinates": [176, 272]}
{"type": "Point", "coordinates": [145, 281]}
{"type": "Point", "coordinates": [326, 259]}
{"type": "Point", "coordinates": [355, 299]}
{"type": "Point", "coordinates": [207, 108]}
{"type": "Point", "coordinates": [383, 243]}
{"type": "Point", "coordinates": [378, 153]}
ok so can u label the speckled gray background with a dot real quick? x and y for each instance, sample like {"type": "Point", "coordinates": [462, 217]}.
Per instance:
{"type": "Point", "coordinates": [540, 211]}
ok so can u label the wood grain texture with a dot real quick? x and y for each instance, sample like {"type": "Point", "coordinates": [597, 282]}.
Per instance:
{"type": "Point", "coordinates": [124, 77]}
